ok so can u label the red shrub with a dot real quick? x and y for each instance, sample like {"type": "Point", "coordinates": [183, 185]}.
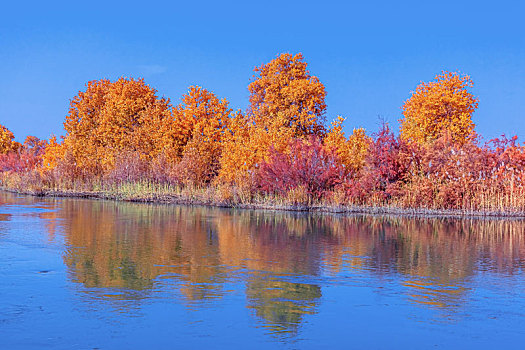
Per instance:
{"type": "Point", "coordinates": [308, 164]}
{"type": "Point", "coordinates": [508, 158]}
{"type": "Point", "coordinates": [386, 166]}
{"type": "Point", "coordinates": [455, 171]}
{"type": "Point", "coordinates": [446, 174]}
{"type": "Point", "coordinates": [128, 167]}
{"type": "Point", "coordinates": [25, 158]}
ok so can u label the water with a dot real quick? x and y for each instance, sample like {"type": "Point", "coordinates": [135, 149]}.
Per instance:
{"type": "Point", "coordinates": [86, 274]}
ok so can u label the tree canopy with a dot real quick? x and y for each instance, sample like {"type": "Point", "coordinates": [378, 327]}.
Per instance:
{"type": "Point", "coordinates": [444, 105]}
{"type": "Point", "coordinates": [111, 118]}
{"type": "Point", "coordinates": [6, 140]}
{"type": "Point", "coordinates": [284, 86]}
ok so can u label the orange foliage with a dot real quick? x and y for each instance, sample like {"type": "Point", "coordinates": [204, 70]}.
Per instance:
{"type": "Point", "coordinates": [200, 123]}
{"type": "Point", "coordinates": [113, 118]}
{"type": "Point", "coordinates": [53, 154]}
{"type": "Point", "coordinates": [201, 112]}
{"type": "Point", "coordinates": [443, 105]}
{"type": "Point", "coordinates": [351, 151]}
{"type": "Point", "coordinates": [122, 131]}
{"type": "Point", "coordinates": [285, 102]}
{"type": "Point", "coordinates": [7, 142]}
{"type": "Point", "coordinates": [284, 86]}
{"type": "Point", "coordinates": [249, 144]}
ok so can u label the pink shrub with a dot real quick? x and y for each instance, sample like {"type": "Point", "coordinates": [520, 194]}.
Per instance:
{"type": "Point", "coordinates": [308, 164]}
{"type": "Point", "coordinates": [508, 158]}
{"type": "Point", "coordinates": [386, 166]}
{"type": "Point", "coordinates": [25, 158]}
{"type": "Point", "coordinates": [128, 167]}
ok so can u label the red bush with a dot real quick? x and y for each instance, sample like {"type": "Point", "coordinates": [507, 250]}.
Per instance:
{"type": "Point", "coordinates": [128, 167]}
{"type": "Point", "coordinates": [307, 164]}
{"type": "Point", "coordinates": [386, 165]}
{"type": "Point", "coordinates": [508, 158]}
{"type": "Point", "coordinates": [25, 158]}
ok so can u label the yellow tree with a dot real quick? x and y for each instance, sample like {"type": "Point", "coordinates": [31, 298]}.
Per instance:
{"type": "Point", "coordinates": [111, 119]}
{"type": "Point", "coordinates": [54, 153]}
{"type": "Point", "coordinates": [285, 102]}
{"type": "Point", "coordinates": [352, 150]}
{"type": "Point", "coordinates": [7, 142]}
{"type": "Point", "coordinates": [249, 144]}
{"type": "Point", "coordinates": [201, 112]}
{"type": "Point", "coordinates": [444, 105]}
{"type": "Point", "coordinates": [285, 87]}
{"type": "Point", "coordinates": [81, 125]}
{"type": "Point", "coordinates": [200, 122]}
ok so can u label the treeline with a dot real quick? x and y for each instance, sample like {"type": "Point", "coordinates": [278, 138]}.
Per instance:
{"type": "Point", "coordinates": [281, 146]}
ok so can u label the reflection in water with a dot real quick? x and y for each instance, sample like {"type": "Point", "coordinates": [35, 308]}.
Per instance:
{"type": "Point", "coordinates": [3, 219]}
{"type": "Point", "coordinates": [280, 303]}
{"type": "Point", "coordinates": [278, 256]}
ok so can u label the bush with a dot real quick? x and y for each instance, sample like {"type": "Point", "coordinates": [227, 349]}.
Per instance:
{"type": "Point", "coordinates": [129, 167]}
{"type": "Point", "coordinates": [307, 164]}
{"type": "Point", "coordinates": [386, 166]}
{"type": "Point", "coordinates": [24, 158]}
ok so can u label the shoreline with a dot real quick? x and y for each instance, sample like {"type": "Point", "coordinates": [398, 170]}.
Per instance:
{"type": "Point", "coordinates": [343, 210]}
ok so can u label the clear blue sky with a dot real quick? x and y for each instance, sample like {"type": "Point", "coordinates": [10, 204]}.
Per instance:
{"type": "Point", "coordinates": [370, 54]}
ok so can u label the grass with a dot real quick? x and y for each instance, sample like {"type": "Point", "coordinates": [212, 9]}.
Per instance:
{"type": "Point", "coordinates": [486, 203]}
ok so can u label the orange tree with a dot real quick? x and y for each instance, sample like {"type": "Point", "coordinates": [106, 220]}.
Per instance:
{"type": "Point", "coordinates": [444, 105]}
{"type": "Point", "coordinates": [7, 142]}
{"type": "Point", "coordinates": [112, 118]}
{"type": "Point", "coordinates": [284, 86]}
{"type": "Point", "coordinates": [351, 151]}
{"type": "Point", "coordinates": [248, 144]}
{"type": "Point", "coordinates": [200, 122]}
{"type": "Point", "coordinates": [200, 113]}
{"type": "Point", "coordinates": [285, 102]}
{"type": "Point", "coordinates": [54, 153]}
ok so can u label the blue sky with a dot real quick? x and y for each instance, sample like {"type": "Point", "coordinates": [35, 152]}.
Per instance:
{"type": "Point", "coordinates": [369, 55]}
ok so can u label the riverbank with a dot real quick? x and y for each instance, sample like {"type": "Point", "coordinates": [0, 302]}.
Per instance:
{"type": "Point", "coordinates": [213, 197]}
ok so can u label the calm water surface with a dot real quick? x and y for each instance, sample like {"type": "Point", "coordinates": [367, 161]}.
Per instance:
{"type": "Point", "coordinates": [86, 274]}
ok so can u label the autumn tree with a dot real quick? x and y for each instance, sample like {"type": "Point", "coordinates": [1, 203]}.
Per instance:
{"type": "Point", "coordinates": [201, 112]}
{"type": "Point", "coordinates": [24, 157]}
{"type": "Point", "coordinates": [444, 105]}
{"type": "Point", "coordinates": [387, 161]}
{"type": "Point", "coordinates": [7, 142]}
{"type": "Point", "coordinates": [352, 150]}
{"type": "Point", "coordinates": [54, 152]}
{"type": "Point", "coordinates": [284, 86]}
{"type": "Point", "coordinates": [200, 122]}
{"type": "Point", "coordinates": [285, 102]}
{"type": "Point", "coordinates": [109, 119]}
{"type": "Point", "coordinates": [249, 144]}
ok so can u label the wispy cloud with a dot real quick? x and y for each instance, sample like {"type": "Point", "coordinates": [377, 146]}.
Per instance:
{"type": "Point", "coordinates": [147, 70]}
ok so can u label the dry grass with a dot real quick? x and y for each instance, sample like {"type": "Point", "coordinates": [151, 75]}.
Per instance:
{"type": "Point", "coordinates": [488, 202]}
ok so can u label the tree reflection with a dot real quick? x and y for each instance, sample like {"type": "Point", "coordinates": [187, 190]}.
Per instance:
{"type": "Point", "coordinates": [279, 258]}
{"type": "Point", "coordinates": [277, 248]}
{"type": "Point", "coordinates": [123, 245]}
{"type": "Point", "coordinates": [437, 257]}
{"type": "Point", "coordinates": [280, 303]}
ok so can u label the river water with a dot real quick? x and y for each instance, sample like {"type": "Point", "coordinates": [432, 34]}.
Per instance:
{"type": "Point", "coordinates": [88, 274]}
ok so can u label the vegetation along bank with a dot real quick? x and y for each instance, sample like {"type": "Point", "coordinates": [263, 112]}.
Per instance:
{"type": "Point", "coordinates": [123, 141]}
